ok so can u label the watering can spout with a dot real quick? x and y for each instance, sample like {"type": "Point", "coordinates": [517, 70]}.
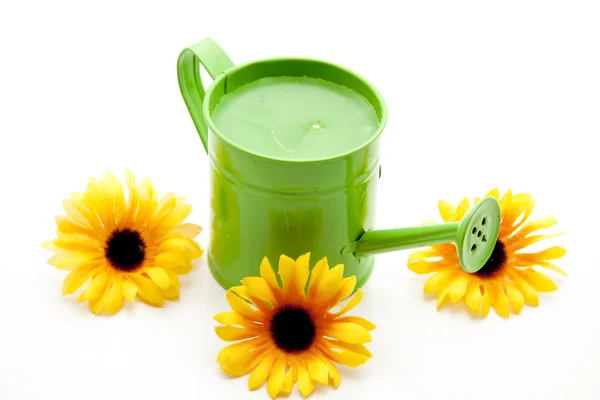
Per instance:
{"type": "Point", "coordinates": [475, 236]}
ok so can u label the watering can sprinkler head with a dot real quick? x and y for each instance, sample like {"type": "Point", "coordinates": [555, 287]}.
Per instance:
{"type": "Point", "coordinates": [475, 236]}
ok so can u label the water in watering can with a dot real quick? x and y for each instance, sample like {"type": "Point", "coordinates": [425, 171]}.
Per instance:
{"type": "Point", "coordinates": [296, 118]}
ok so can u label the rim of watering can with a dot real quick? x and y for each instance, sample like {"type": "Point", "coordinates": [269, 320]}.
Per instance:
{"type": "Point", "coordinates": [382, 114]}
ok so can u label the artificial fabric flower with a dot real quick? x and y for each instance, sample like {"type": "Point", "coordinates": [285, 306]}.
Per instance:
{"type": "Point", "coordinates": [124, 247]}
{"type": "Point", "coordinates": [291, 334]}
{"type": "Point", "coordinates": [508, 280]}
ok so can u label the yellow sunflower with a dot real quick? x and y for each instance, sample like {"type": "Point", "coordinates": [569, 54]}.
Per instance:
{"type": "Point", "coordinates": [508, 280]}
{"type": "Point", "coordinates": [291, 334]}
{"type": "Point", "coordinates": [123, 247]}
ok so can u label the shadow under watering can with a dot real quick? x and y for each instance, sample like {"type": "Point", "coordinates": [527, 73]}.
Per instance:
{"type": "Point", "coordinates": [268, 205]}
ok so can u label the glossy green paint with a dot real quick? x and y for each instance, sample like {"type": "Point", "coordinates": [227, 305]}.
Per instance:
{"type": "Point", "coordinates": [268, 206]}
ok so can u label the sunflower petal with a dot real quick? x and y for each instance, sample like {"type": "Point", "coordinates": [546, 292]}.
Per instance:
{"type": "Point", "coordinates": [354, 301]}
{"type": "Point", "coordinates": [422, 255]}
{"type": "Point", "coordinates": [159, 276]}
{"type": "Point", "coordinates": [187, 230]}
{"type": "Point", "coordinates": [119, 197]}
{"type": "Point", "coordinates": [518, 206]}
{"type": "Point", "coordinates": [96, 305]}
{"type": "Point", "coordinates": [334, 374]}
{"type": "Point", "coordinates": [485, 301]}
{"type": "Point", "coordinates": [147, 290]}
{"type": "Point", "coordinates": [529, 240]}
{"type": "Point", "coordinates": [133, 195]}
{"type": "Point", "coordinates": [499, 300]}
{"type": "Point", "coordinates": [114, 299]}
{"type": "Point", "coordinates": [495, 193]}
{"type": "Point", "coordinates": [184, 267]}
{"type": "Point", "coordinates": [50, 246]}
{"type": "Point", "coordinates": [347, 332]}
{"type": "Point", "coordinates": [317, 370]}
{"type": "Point", "coordinates": [146, 190]}
{"type": "Point", "coordinates": [458, 288]}
{"type": "Point", "coordinates": [231, 318]}
{"type": "Point", "coordinates": [167, 260]}
{"type": "Point", "coordinates": [442, 294]}
{"type": "Point", "coordinates": [68, 226]}
{"type": "Point", "coordinates": [97, 286]}
{"type": "Point", "coordinates": [354, 348]}
{"type": "Point", "coordinates": [447, 251]}
{"type": "Point", "coordinates": [233, 333]}
{"type": "Point", "coordinates": [462, 208]}
{"type": "Point", "coordinates": [260, 374]}
{"type": "Point", "coordinates": [515, 297]}
{"type": "Point", "coordinates": [267, 273]}
{"type": "Point", "coordinates": [425, 267]}
{"type": "Point", "coordinates": [526, 214]}
{"type": "Point", "coordinates": [77, 278]}
{"type": "Point", "coordinates": [305, 382]}
{"type": "Point", "coordinates": [146, 210]}
{"type": "Point", "coordinates": [369, 326]}
{"type": "Point", "coordinates": [90, 216]}
{"type": "Point", "coordinates": [529, 293]}
{"type": "Point", "coordinates": [243, 292]}
{"type": "Point", "coordinates": [77, 243]}
{"type": "Point", "coordinates": [173, 279]}
{"type": "Point", "coordinates": [286, 271]}
{"type": "Point", "coordinates": [178, 214]}
{"type": "Point", "coordinates": [290, 378]}
{"type": "Point", "coordinates": [68, 261]}
{"type": "Point", "coordinates": [438, 281]}
{"type": "Point", "coordinates": [259, 288]}
{"type": "Point", "coordinates": [329, 285]}
{"type": "Point", "coordinates": [74, 214]}
{"type": "Point", "coordinates": [242, 363]}
{"type": "Point", "coordinates": [345, 291]}
{"type": "Point", "coordinates": [532, 226]}
{"type": "Point", "coordinates": [276, 377]}
{"type": "Point", "coordinates": [242, 307]}
{"type": "Point", "coordinates": [447, 211]}
{"type": "Point", "coordinates": [347, 358]}
{"type": "Point", "coordinates": [171, 294]}
{"type": "Point", "coordinates": [505, 202]}
{"type": "Point", "coordinates": [537, 280]}
{"type": "Point", "coordinates": [473, 296]}
{"type": "Point", "coordinates": [318, 270]}
{"type": "Point", "coordinates": [552, 253]}
{"type": "Point", "coordinates": [102, 193]}
{"type": "Point", "coordinates": [129, 289]}
{"type": "Point", "coordinates": [552, 267]}
{"type": "Point", "coordinates": [178, 244]}
{"type": "Point", "coordinates": [237, 349]}
{"type": "Point", "coordinates": [301, 273]}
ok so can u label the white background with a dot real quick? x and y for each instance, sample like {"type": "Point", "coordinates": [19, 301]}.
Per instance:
{"type": "Point", "coordinates": [480, 94]}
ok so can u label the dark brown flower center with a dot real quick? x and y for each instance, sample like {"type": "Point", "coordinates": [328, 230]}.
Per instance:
{"type": "Point", "coordinates": [495, 262]}
{"type": "Point", "coordinates": [125, 249]}
{"type": "Point", "coordinates": [293, 329]}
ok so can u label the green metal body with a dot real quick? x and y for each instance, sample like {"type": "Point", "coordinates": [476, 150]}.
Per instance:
{"type": "Point", "coordinates": [267, 207]}
{"type": "Point", "coordinates": [263, 206]}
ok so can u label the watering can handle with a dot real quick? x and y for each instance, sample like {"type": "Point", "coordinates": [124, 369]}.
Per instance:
{"type": "Point", "coordinates": [215, 61]}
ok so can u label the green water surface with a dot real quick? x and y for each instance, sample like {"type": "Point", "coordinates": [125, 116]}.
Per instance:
{"type": "Point", "coordinates": [296, 118]}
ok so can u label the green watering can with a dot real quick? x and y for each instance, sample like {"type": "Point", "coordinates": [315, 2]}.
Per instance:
{"type": "Point", "coordinates": [293, 147]}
